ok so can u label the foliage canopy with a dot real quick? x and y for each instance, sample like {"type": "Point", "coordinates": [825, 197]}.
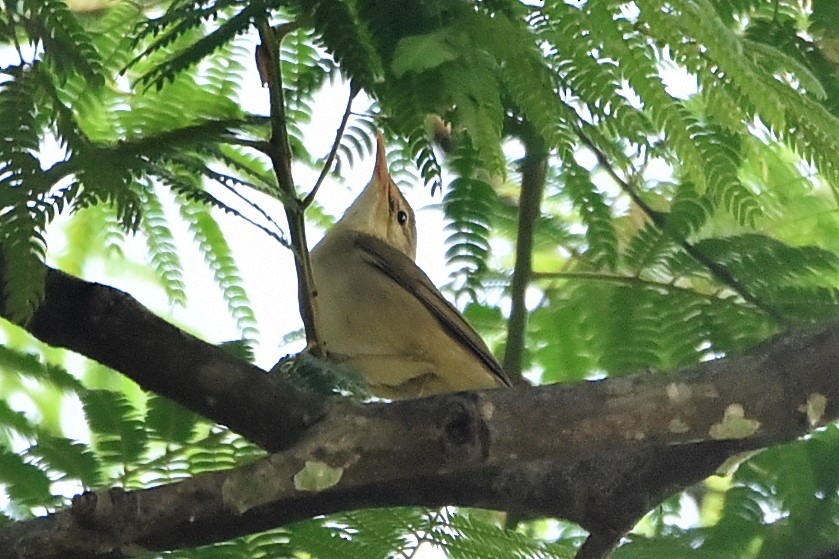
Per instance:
{"type": "Point", "coordinates": [689, 211]}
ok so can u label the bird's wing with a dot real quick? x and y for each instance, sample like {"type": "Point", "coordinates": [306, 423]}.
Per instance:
{"type": "Point", "coordinates": [401, 269]}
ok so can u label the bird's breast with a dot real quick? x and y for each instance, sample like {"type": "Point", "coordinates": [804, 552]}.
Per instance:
{"type": "Point", "coordinates": [376, 325]}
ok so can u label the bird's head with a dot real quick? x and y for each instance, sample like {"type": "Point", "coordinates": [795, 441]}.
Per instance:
{"type": "Point", "coordinates": [381, 210]}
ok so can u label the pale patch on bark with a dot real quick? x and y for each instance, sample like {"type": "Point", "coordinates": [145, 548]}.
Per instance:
{"type": "Point", "coordinates": [734, 424]}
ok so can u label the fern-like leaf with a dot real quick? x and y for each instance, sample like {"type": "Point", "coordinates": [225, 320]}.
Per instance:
{"type": "Point", "coordinates": [169, 421]}
{"type": "Point", "coordinates": [115, 423]}
{"type": "Point", "coordinates": [600, 231]}
{"type": "Point", "coordinates": [347, 38]}
{"type": "Point", "coordinates": [67, 458]}
{"type": "Point", "coordinates": [172, 26]}
{"type": "Point", "coordinates": [24, 482]}
{"type": "Point", "coordinates": [163, 253]}
{"type": "Point", "coordinates": [32, 366]}
{"type": "Point", "coordinates": [67, 46]}
{"type": "Point", "coordinates": [219, 258]}
{"type": "Point", "coordinates": [469, 206]}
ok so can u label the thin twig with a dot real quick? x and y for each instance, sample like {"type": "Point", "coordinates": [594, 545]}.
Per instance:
{"type": "Point", "coordinates": [216, 203]}
{"type": "Point", "coordinates": [626, 280]}
{"type": "Point", "coordinates": [280, 155]}
{"type": "Point", "coordinates": [278, 235]}
{"type": "Point", "coordinates": [327, 165]}
{"type": "Point", "coordinates": [534, 175]}
{"type": "Point", "coordinates": [280, 152]}
{"type": "Point", "coordinates": [659, 220]}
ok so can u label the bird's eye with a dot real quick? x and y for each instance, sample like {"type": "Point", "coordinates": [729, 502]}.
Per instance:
{"type": "Point", "coordinates": [401, 217]}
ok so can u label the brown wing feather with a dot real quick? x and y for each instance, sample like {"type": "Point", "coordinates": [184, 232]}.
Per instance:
{"type": "Point", "coordinates": [401, 269]}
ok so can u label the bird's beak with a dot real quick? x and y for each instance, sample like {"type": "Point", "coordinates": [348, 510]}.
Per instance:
{"type": "Point", "coordinates": [381, 175]}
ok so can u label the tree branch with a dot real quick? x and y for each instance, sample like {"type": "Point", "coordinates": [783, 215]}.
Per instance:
{"type": "Point", "coordinates": [269, 54]}
{"type": "Point", "coordinates": [604, 453]}
{"type": "Point", "coordinates": [111, 327]}
{"type": "Point", "coordinates": [533, 175]}
{"type": "Point", "coordinates": [625, 280]}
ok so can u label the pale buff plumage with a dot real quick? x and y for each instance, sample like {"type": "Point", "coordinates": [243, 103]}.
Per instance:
{"type": "Point", "coordinates": [380, 313]}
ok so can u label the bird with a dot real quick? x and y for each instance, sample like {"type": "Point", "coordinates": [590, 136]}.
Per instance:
{"type": "Point", "coordinates": [379, 313]}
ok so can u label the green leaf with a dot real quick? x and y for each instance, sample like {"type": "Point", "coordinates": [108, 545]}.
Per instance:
{"type": "Point", "coordinates": [70, 458]}
{"type": "Point", "coordinates": [219, 258]}
{"type": "Point", "coordinates": [23, 482]}
{"type": "Point", "coordinates": [117, 430]}
{"type": "Point", "coordinates": [12, 421]}
{"type": "Point", "coordinates": [170, 421]}
{"type": "Point", "coordinates": [423, 52]}
{"type": "Point", "coordinates": [32, 365]}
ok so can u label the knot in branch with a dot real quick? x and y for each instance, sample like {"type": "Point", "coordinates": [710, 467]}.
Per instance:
{"type": "Point", "coordinates": [464, 433]}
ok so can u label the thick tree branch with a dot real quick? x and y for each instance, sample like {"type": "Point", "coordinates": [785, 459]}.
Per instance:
{"type": "Point", "coordinates": [604, 452]}
{"type": "Point", "coordinates": [605, 495]}
{"type": "Point", "coordinates": [112, 328]}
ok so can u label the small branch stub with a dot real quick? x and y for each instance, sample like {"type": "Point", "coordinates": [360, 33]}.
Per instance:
{"type": "Point", "coordinates": [465, 435]}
